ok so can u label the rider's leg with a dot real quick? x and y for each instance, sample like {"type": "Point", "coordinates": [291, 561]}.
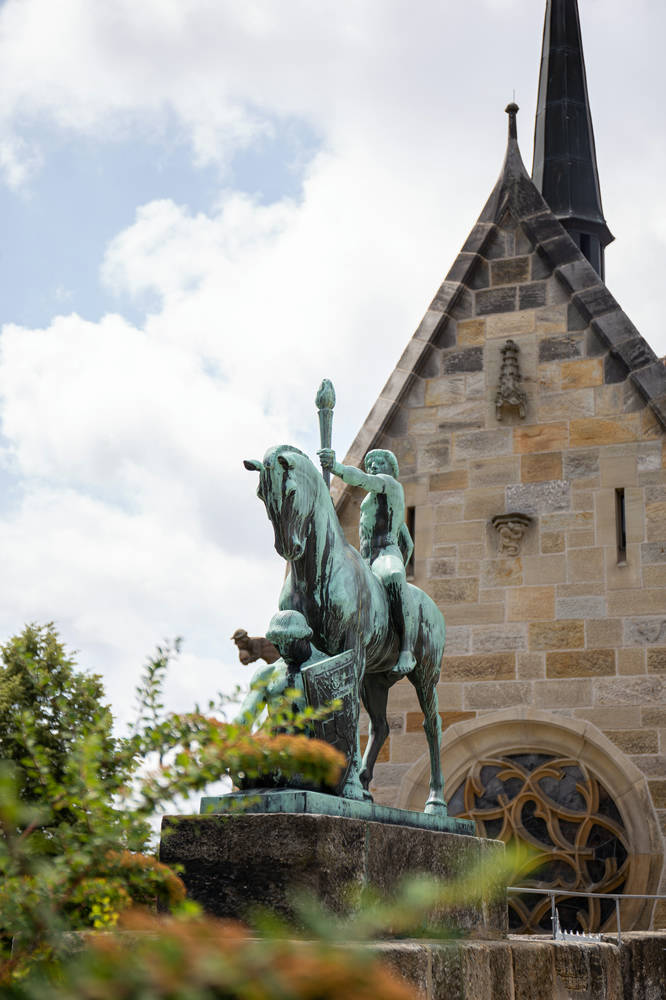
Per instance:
{"type": "Point", "coordinates": [390, 569]}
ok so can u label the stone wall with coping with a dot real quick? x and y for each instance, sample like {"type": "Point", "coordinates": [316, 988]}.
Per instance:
{"type": "Point", "coordinates": [569, 624]}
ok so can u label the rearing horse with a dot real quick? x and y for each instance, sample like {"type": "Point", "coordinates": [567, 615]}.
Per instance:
{"type": "Point", "coordinates": [346, 607]}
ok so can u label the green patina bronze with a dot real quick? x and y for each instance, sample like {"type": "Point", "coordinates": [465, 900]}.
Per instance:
{"type": "Point", "coordinates": [357, 601]}
{"type": "Point", "coordinates": [290, 800]}
{"type": "Point", "coordinates": [291, 634]}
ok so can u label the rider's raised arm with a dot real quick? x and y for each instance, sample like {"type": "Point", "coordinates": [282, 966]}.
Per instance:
{"type": "Point", "coordinates": [350, 474]}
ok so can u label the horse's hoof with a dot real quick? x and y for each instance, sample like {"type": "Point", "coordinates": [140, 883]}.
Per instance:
{"type": "Point", "coordinates": [436, 806]}
{"type": "Point", "coordinates": [354, 790]}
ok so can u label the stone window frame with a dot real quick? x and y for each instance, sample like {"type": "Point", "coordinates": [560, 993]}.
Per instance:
{"type": "Point", "coordinates": [538, 731]}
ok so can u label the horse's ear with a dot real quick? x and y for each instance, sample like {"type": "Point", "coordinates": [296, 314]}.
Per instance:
{"type": "Point", "coordinates": [286, 463]}
{"type": "Point", "coordinates": [253, 465]}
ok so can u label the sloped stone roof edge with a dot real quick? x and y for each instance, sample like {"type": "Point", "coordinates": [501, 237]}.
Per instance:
{"type": "Point", "coordinates": [589, 293]}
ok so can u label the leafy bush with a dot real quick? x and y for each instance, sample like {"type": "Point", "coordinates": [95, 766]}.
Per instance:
{"type": "Point", "coordinates": [75, 801]}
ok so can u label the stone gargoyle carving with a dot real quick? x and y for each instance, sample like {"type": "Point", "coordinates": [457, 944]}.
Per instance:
{"type": "Point", "coordinates": [511, 529]}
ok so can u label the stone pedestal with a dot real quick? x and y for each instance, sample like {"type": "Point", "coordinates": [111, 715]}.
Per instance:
{"type": "Point", "coordinates": [234, 862]}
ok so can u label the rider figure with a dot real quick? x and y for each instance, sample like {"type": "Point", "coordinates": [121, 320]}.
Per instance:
{"type": "Point", "coordinates": [385, 540]}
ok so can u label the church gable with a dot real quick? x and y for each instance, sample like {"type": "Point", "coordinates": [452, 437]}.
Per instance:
{"type": "Point", "coordinates": [519, 276]}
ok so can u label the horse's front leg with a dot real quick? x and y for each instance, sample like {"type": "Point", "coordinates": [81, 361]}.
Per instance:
{"type": "Point", "coordinates": [375, 698]}
{"type": "Point", "coordinates": [426, 691]}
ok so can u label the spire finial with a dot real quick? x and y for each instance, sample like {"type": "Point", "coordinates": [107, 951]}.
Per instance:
{"type": "Point", "coordinates": [565, 161]}
{"type": "Point", "coordinates": [512, 110]}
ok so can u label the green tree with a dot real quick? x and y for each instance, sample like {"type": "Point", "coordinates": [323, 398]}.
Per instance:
{"type": "Point", "coordinates": [76, 802]}
{"type": "Point", "coordinates": [42, 693]}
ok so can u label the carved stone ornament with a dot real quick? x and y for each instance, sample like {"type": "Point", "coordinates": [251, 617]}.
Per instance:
{"type": "Point", "coordinates": [510, 391]}
{"type": "Point", "coordinates": [511, 529]}
{"type": "Point", "coordinates": [572, 825]}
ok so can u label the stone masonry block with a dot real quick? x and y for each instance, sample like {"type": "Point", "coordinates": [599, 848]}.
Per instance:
{"type": "Point", "coordinates": [633, 602]}
{"type": "Point", "coordinates": [640, 690]}
{"type": "Point", "coordinates": [512, 271]}
{"type": "Point", "coordinates": [494, 639]}
{"type": "Point", "coordinates": [433, 456]}
{"type": "Point", "coordinates": [470, 359]}
{"type": "Point", "coordinates": [552, 542]}
{"type": "Point", "coordinates": [560, 348]}
{"type": "Point", "coordinates": [591, 431]}
{"type": "Point", "coordinates": [479, 237]}
{"type": "Point", "coordinates": [594, 301]}
{"type": "Point", "coordinates": [636, 355]}
{"type": "Point", "coordinates": [560, 250]}
{"type": "Point", "coordinates": [634, 741]}
{"type": "Point", "coordinates": [483, 503]}
{"type": "Point", "coordinates": [582, 374]}
{"type": "Point", "coordinates": [656, 660]}
{"type": "Point", "coordinates": [531, 603]}
{"type": "Point", "coordinates": [460, 590]}
{"type": "Point", "coordinates": [564, 405]}
{"type": "Point", "coordinates": [581, 464]}
{"type": "Point", "coordinates": [615, 328]}
{"type": "Point", "coordinates": [462, 266]}
{"type": "Point", "coordinates": [653, 552]}
{"type": "Point", "coordinates": [496, 300]}
{"type": "Point", "coordinates": [604, 632]}
{"type": "Point", "coordinates": [530, 666]}
{"type": "Point", "coordinates": [556, 635]}
{"type": "Point", "coordinates": [580, 607]}
{"type": "Point", "coordinates": [532, 295]}
{"type": "Point", "coordinates": [556, 694]}
{"type": "Point", "coordinates": [585, 564]}
{"type": "Point", "coordinates": [501, 572]}
{"type": "Point", "coordinates": [510, 324]}
{"type": "Point", "coordinates": [494, 471]}
{"type": "Point", "coordinates": [544, 569]}
{"type": "Point", "coordinates": [577, 275]}
{"type": "Point", "coordinates": [495, 667]}
{"type": "Point", "coordinates": [539, 497]}
{"type": "Point", "coordinates": [631, 661]}
{"type": "Point", "coordinates": [483, 444]}
{"type": "Point", "coordinates": [471, 332]}
{"type": "Point", "coordinates": [456, 479]}
{"type": "Point", "coordinates": [495, 695]}
{"type": "Point", "coordinates": [541, 438]}
{"type": "Point", "coordinates": [542, 227]}
{"type": "Point", "coordinates": [541, 466]}
{"type": "Point", "coordinates": [581, 663]}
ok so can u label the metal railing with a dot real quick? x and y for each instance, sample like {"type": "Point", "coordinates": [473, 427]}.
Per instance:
{"type": "Point", "coordinates": [563, 894]}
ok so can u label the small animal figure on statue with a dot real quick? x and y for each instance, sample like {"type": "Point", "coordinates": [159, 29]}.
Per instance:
{"type": "Point", "coordinates": [251, 648]}
{"type": "Point", "coordinates": [290, 632]}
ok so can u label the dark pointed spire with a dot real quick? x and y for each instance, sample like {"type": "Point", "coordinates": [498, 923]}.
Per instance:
{"type": "Point", "coordinates": [565, 160]}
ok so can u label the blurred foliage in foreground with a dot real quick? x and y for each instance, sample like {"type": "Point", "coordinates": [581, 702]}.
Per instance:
{"type": "Point", "coordinates": [79, 884]}
{"type": "Point", "coordinates": [191, 957]}
{"type": "Point", "coordinates": [76, 801]}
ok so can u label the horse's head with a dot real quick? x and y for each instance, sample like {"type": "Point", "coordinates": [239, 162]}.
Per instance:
{"type": "Point", "coordinates": [290, 488]}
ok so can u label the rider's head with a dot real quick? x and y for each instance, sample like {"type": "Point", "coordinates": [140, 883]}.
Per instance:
{"type": "Point", "coordinates": [290, 632]}
{"type": "Point", "coordinates": [381, 460]}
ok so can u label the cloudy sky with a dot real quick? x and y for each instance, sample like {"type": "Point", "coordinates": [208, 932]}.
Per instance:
{"type": "Point", "coordinates": [207, 207]}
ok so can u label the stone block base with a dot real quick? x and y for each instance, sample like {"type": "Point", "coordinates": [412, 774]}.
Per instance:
{"type": "Point", "coordinates": [232, 863]}
{"type": "Point", "coordinates": [533, 968]}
